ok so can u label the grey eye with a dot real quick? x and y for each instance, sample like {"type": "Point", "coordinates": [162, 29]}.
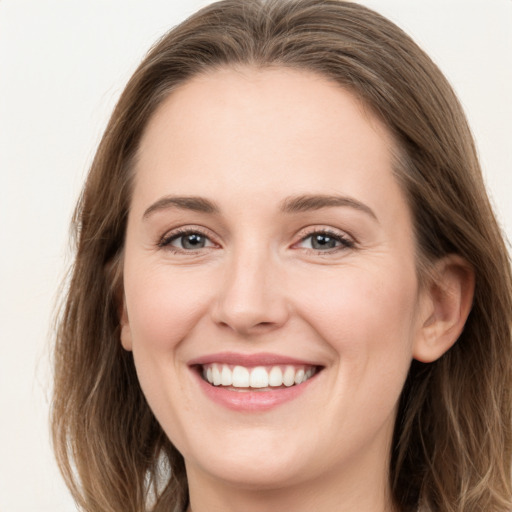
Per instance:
{"type": "Point", "coordinates": [192, 241]}
{"type": "Point", "coordinates": [325, 241]}
{"type": "Point", "coordinates": [321, 241]}
{"type": "Point", "coordinates": [186, 241]}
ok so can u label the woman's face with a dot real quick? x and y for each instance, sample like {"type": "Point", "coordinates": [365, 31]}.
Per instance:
{"type": "Point", "coordinates": [268, 242]}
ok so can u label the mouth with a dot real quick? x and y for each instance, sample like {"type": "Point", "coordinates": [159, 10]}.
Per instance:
{"type": "Point", "coordinates": [256, 378]}
{"type": "Point", "coordinates": [254, 382]}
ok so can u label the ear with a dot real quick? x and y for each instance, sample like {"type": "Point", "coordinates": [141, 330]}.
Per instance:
{"type": "Point", "coordinates": [447, 302]}
{"type": "Point", "coordinates": [124, 322]}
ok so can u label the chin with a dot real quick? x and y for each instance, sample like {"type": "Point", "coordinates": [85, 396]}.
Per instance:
{"type": "Point", "coordinates": [257, 461]}
{"type": "Point", "coordinates": [256, 475]}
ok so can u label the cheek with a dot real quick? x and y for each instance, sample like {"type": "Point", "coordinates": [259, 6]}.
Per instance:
{"type": "Point", "coordinates": [163, 306]}
{"type": "Point", "coordinates": [364, 313]}
{"type": "Point", "coordinates": [367, 317]}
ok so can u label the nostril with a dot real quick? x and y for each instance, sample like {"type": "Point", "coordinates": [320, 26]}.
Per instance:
{"type": "Point", "coordinates": [264, 324]}
{"type": "Point", "coordinates": [247, 326]}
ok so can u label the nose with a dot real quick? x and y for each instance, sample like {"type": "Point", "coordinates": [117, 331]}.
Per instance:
{"type": "Point", "coordinates": [251, 298]}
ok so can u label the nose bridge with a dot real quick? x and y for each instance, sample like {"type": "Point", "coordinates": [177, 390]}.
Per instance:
{"type": "Point", "coordinates": [251, 297]}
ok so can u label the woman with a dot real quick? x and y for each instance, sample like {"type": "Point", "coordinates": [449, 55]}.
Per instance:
{"type": "Point", "coordinates": [290, 291]}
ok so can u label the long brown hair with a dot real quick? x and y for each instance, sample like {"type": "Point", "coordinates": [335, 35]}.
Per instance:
{"type": "Point", "coordinates": [452, 447]}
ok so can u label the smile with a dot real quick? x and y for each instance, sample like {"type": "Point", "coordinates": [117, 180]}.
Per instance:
{"type": "Point", "coordinates": [240, 378]}
{"type": "Point", "coordinates": [252, 383]}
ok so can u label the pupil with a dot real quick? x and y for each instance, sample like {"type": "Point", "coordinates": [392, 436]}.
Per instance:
{"type": "Point", "coordinates": [193, 241]}
{"type": "Point", "coordinates": [323, 242]}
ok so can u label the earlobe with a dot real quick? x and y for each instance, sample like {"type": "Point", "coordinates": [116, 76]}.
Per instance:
{"type": "Point", "coordinates": [126, 334]}
{"type": "Point", "coordinates": [449, 297]}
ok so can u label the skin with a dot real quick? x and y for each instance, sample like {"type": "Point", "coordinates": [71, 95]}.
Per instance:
{"type": "Point", "coordinates": [248, 140]}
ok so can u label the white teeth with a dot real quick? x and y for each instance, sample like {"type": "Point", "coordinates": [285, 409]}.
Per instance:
{"type": "Point", "coordinates": [275, 377]}
{"type": "Point", "coordinates": [259, 377]}
{"type": "Point", "coordinates": [226, 376]}
{"type": "Point", "coordinates": [216, 375]}
{"type": "Point", "coordinates": [299, 376]}
{"type": "Point", "coordinates": [289, 376]}
{"type": "Point", "coordinates": [240, 377]}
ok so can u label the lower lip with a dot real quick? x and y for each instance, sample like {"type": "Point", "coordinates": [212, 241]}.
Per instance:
{"type": "Point", "coordinates": [252, 401]}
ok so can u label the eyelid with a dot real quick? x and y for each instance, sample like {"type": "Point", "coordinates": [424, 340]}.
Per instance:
{"type": "Point", "coordinates": [346, 240]}
{"type": "Point", "coordinates": [164, 242]}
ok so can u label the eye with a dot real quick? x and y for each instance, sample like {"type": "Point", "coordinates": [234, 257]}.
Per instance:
{"type": "Point", "coordinates": [186, 241]}
{"type": "Point", "coordinates": [325, 241]}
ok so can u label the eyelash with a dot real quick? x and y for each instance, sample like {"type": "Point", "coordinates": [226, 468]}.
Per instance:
{"type": "Point", "coordinates": [166, 241]}
{"type": "Point", "coordinates": [345, 242]}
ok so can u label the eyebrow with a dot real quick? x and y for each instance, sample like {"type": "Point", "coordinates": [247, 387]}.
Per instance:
{"type": "Point", "coordinates": [304, 203]}
{"type": "Point", "coordinates": [193, 203]}
{"type": "Point", "coordinates": [295, 204]}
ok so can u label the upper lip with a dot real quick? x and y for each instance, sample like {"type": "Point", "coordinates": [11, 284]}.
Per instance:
{"type": "Point", "coordinates": [249, 360]}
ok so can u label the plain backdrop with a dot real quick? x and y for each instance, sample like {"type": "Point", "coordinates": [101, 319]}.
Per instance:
{"type": "Point", "coordinates": [63, 64]}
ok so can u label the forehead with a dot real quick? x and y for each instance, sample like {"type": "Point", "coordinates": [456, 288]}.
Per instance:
{"type": "Point", "coordinates": [254, 131]}
{"type": "Point", "coordinates": [307, 104]}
